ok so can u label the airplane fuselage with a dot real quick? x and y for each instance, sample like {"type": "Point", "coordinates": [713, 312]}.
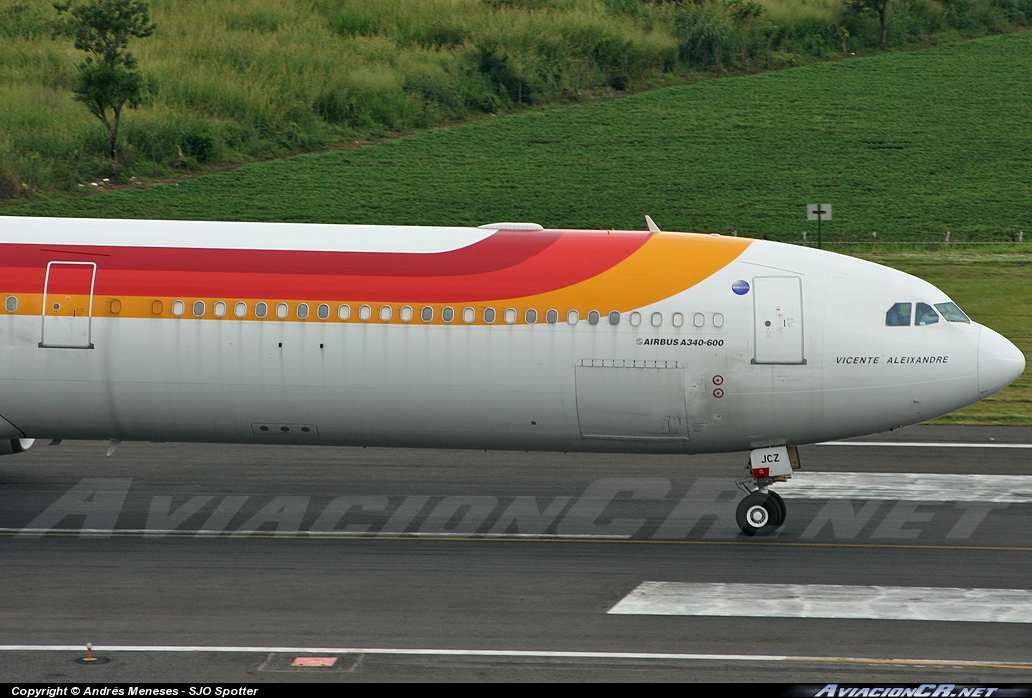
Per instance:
{"type": "Point", "coordinates": [468, 338]}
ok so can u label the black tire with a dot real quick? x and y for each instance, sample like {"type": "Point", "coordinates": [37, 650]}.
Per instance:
{"type": "Point", "coordinates": [758, 514]}
{"type": "Point", "coordinates": [781, 505]}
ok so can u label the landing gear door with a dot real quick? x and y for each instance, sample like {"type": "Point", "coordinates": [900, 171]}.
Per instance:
{"type": "Point", "coordinates": [68, 305]}
{"type": "Point", "coordinates": [778, 317]}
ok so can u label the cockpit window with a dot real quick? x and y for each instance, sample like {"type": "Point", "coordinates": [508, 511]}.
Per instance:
{"type": "Point", "coordinates": [925, 315]}
{"type": "Point", "coordinates": [898, 315]}
{"type": "Point", "coordinates": [952, 313]}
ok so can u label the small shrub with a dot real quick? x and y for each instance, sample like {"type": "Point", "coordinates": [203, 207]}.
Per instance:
{"type": "Point", "coordinates": [198, 145]}
{"type": "Point", "coordinates": [333, 106]}
{"type": "Point", "coordinates": [10, 183]}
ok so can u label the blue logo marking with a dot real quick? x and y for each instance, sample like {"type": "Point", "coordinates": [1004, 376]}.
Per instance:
{"type": "Point", "coordinates": [740, 287]}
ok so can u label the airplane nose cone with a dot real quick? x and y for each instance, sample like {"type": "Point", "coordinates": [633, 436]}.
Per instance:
{"type": "Point", "coordinates": [999, 362]}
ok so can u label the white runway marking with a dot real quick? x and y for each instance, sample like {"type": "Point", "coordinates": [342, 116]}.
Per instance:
{"type": "Point", "coordinates": [922, 444]}
{"type": "Point", "coordinates": [828, 601]}
{"type": "Point", "coordinates": [913, 487]}
{"type": "Point", "coordinates": [209, 533]}
{"type": "Point", "coordinates": [520, 654]}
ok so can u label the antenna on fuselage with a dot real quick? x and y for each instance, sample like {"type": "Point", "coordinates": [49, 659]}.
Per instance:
{"type": "Point", "coordinates": [653, 228]}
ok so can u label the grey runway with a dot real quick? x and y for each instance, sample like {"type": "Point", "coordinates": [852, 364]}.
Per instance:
{"type": "Point", "coordinates": [495, 565]}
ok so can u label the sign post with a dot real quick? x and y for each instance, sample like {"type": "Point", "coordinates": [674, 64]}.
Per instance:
{"type": "Point", "coordinates": [818, 212]}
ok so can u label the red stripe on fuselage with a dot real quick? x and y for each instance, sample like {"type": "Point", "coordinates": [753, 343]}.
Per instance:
{"type": "Point", "coordinates": [508, 264]}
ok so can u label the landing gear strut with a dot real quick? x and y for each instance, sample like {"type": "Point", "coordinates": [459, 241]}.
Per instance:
{"type": "Point", "coordinates": [762, 511]}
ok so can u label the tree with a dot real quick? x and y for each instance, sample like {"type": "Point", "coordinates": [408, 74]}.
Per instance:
{"type": "Point", "coordinates": [877, 7]}
{"type": "Point", "coordinates": [108, 80]}
{"type": "Point", "coordinates": [744, 14]}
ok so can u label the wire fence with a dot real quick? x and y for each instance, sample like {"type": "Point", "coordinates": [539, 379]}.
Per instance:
{"type": "Point", "coordinates": [870, 243]}
{"type": "Point", "coordinates": [1016, 239]}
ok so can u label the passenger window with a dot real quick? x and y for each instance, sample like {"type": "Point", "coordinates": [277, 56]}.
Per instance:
{"type": "Point", "coordinates": [302, 311]}
{"type": "Point", "coordinates": [385, 312]}
{"type": "Point", "coordinates": [898, 315]}
{"type": "Point", "coordinates": [531, 316]}
{"type": "Point", "coordinates": [406, 313]}
{"type": "Point", "coordinates": [364, 312]}
{"type": "Point", "coordinates": [698, 319]}
{"type": "Point", "coordinates": [448, 314]}
{"type": "Point", "coordinates": [552, 317]}
{"type": "Point", "coordinates": [678, 319]}
{"type": "Point", "coordinates": [344, 311]}
{"type": "Point", "coordinates": [281, 311]}
{"type": "Point", "coordinates": [220, 308]}
{"type": "Point", "coordinates": [657, 319]}
{"type": "Point", "coordinates": [468, 315]}
{"type": "Point", "coordinates": [489, 315]}
{"type": "Point", "coordinates": [323, 311]}
{"type": "Point", "coordinates": [198, 308]}
{"type": "Point", "coordinates": [718, 319]}
{"type": "Point", "coordinates": [952, 313]}
{"type": "Point", "coordinates": [593, 317]}
{"type": "Point", "coordinates": [261, 310]}
{"type": "Point", "coordinates": [509, 316]}
{"type": "Point", "coordinates": [925, 315]}
{"type": "Point", "coordinates": [240, 309]}
{"type": "Point", "coordinates": [635, 319]}
{"type": "Point", "coordinates": [11, 304]}
{"type": "Point", "coordinates": [614, 317]}
{"type": "Point", "coordinates": [572, 317]}
{"type": "Point", "coordinates": [178, 308]}
{"type": "Point", "coordinates": [427, 313]}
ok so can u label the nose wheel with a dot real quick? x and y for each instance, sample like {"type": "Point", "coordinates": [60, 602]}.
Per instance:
{"type": "Point", "coordinates": [760, 513]}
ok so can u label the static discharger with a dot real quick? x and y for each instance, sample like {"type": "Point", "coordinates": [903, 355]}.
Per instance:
{"type": "Point", "coordinates": [89, 658]}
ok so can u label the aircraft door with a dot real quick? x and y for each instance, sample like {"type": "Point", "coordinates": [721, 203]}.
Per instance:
{"type": "Point", "coordinates": [778, 318]}
{"type": "Point", "coordinates": [68, 305]}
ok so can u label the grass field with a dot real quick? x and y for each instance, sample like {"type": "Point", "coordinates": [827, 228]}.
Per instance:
{"type": "Point", "coordinates": [910, 145]}
{"type": "Point", "coordinates": [236, 81]}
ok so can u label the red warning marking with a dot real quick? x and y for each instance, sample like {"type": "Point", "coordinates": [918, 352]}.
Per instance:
{"type": "Point", "coordinates": [761, 472]}
{"type": "Point", "coordinates": [718, 380]}
{"type": "Point", "coordinates": [718, 393]}
{"type": "Point", "coordinates": [314, 661]}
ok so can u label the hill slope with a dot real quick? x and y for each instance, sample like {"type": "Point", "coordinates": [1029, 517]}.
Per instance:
{"type": "Point", "coordinates": [910, 145]}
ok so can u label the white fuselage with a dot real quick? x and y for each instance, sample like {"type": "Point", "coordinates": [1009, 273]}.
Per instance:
{"type": "Point", "coordinates": [701, 371]}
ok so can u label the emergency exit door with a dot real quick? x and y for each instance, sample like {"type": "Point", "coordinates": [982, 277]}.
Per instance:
{"type": "Point", "coordinates": [68, 305]}
{"type": "Point", "coordinates": [778, 318]}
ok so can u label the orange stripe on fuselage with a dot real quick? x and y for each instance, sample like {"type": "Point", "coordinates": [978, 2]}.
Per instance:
{"type": "Point", "coordinates": [657, 266]}
{"type": "Point", "coordinates": [664, 266]}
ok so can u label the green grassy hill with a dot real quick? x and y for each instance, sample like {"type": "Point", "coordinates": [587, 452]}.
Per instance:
{"type": "Point", "coordinates": [236, 81]}
{"type": "Point", "coordinates": [910, 145]}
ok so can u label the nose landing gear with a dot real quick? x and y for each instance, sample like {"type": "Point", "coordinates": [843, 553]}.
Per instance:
{"type": "Point", "coordinates": [762, 511]}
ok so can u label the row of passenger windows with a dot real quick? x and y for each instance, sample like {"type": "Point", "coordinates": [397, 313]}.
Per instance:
{"type": "Point", "coordinates": [406, 313]}
{"type": "Point", "coordinates": [899, 314]}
